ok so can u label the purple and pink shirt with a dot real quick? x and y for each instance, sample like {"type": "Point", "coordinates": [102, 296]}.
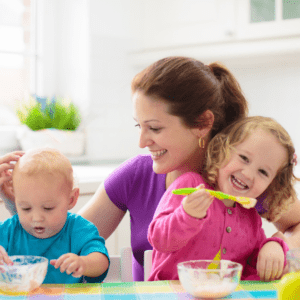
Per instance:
{"type": "Point", "coordinates": [135, 187]}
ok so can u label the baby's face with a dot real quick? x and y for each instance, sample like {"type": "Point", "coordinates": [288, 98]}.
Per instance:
{"type": "Point", "coordinates": [42, 203]}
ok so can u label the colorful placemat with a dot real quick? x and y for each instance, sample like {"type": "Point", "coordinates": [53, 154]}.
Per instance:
{"type": "Point", "coordinates": [158, 290]}
{"type": "Point", "coordinates": [260, 289]}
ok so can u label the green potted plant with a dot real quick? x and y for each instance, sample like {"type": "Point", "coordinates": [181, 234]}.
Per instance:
{"type": "Point", "coordinates": [51, 122]}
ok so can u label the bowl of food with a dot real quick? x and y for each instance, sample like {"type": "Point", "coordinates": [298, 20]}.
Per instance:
{"type": "Point", "coordinates": [209, 278]}
{"type": "Point", "coordinates": [26, 274]}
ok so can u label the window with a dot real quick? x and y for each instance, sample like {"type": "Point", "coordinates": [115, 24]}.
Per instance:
{"type": "Point", "coordinates": [269, 10]}
{"type": "Point", "coordinates": [17, 50]}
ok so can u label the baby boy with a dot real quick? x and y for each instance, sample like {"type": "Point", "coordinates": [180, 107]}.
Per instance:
{"type": "Point", "coordinates": [43, 226]}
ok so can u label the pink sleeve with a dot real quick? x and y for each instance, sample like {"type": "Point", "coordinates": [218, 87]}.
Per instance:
{"type": "Point", "coordinates": [171, 227]}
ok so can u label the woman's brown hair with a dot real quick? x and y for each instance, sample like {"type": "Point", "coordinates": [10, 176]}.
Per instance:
{"type": "Point", "coordinates": [280, 194]}
{"type": "Point", "coordinates": [191, 88]}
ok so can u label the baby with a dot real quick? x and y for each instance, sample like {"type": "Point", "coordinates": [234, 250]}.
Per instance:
{"type": "Point", "coordinates": [43, 190]}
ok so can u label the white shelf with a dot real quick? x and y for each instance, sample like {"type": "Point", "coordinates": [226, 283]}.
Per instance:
{"type": "Point", "coordinates": [270, 49]}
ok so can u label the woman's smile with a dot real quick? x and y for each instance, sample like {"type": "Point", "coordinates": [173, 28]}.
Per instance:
{"type": "Point", "coordinates": [158, 154]}
{"type": "Point", "coordinates": [174, 147]}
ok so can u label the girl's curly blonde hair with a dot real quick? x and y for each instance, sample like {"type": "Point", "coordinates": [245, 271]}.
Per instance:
{"type": "Point", "coordinates": [280, 194]}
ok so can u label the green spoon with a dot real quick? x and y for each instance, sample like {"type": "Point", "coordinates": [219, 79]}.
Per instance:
{"type": "Point", "coordinates": [247, 202]}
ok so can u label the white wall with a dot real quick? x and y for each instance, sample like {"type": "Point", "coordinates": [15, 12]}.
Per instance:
{"type": "Point", "coordinates": [272, 88]}
{"type": "Point", "coordinates": [88, 43]}
{"type": "Point", "coordinates": [63, 47]}
{"type": "Point", "coordinates": [84, 56]}
{"type": "Point", "coordinates": [114, 31]}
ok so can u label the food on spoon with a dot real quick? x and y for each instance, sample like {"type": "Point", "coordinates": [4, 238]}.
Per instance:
{"type": "Point", "coordinates": [245, 201]}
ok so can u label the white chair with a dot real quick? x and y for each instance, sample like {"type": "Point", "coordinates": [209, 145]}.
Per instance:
{"type": "Point", "coordinates": [147, 264]}
{"type": "Point", "coordinates": [120, 269]}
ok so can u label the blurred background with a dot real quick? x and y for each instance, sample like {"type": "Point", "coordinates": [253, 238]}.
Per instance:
{"type": "Point", "coordinates": [89, 50]}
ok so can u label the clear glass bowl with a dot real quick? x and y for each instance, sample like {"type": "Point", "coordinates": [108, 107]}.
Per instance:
{"type": "Point", "coordinates": [201, 279]}
{"type": "Point", "coordinates": [26, 274]}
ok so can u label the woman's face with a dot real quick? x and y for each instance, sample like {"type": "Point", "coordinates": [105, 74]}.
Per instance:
{"type": "Point", "coordinates": [172, 145]}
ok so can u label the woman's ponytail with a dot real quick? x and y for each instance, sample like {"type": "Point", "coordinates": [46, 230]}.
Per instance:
{"type": "Point", "coordinates": [235, 105]}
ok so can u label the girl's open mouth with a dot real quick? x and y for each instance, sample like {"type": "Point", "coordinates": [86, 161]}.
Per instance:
{"type": "Point", "coordinates": [238, 184]}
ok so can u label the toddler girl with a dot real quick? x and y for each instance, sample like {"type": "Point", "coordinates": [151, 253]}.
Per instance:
{"type": "Point", "coordinates": [251, 157]}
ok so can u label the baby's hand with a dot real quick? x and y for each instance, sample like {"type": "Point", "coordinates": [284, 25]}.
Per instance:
{"type": "Point", "coordinates": [4, 258]}
{"type": "Point", "coordinates": [197, 203]}
{"type": "Point", "coordinates": [70, 263]}
{"type": "Point", "coordinates": [270, 261]}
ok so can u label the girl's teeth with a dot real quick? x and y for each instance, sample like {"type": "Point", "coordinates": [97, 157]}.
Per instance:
{"type": "Point", "coordinates": [238, 183]}
{"type": "Point", "coordinates": [158, 153]}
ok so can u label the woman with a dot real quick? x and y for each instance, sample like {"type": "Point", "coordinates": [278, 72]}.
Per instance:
{"type": "Point", "coordinates": [179, 105]}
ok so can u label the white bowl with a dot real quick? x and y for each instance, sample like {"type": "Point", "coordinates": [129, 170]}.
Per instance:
{"type": "Point", "coordinates": [202, 281]}
{"type": "Point", "coordinates": [26, 274]}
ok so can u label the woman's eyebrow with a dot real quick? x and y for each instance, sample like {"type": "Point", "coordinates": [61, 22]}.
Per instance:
{"type": "Point", "coordinates": [147, 121]}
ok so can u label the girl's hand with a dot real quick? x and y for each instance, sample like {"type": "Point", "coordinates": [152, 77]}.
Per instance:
{"type": "Point", "coordinates": [4, 258]}
{"type": "Point", "coordinates": [270, 261]}
{"type": "Point", "coordinates": [197, 203]}
{"type": "Point", "coordinates": [70, 263]}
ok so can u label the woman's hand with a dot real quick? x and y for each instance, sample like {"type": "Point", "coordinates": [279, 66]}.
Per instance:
{"type": "Point", "coordinates": [270, 261]}
{"type": "Point", "coordinates": [197, 203]}
{"type": "Point", "coordinates": [71, 264]}
{"type": "Point", "coordinates": [6, 167]}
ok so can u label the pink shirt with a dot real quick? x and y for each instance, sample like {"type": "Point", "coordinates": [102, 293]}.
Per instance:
{"type": "Point", "coordinates": [176, 236]}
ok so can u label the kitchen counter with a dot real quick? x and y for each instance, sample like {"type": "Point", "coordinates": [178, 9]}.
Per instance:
{"type": "Point", "coordinates": [89, 177]}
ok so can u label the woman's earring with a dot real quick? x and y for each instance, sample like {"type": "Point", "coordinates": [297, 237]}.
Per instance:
{"type": "Point", "coordinates": [201, 143]}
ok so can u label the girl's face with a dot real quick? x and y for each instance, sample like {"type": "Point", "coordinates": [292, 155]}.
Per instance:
{"type": "Point", "coordinates": [42, 204]}
{"type": "Point", "coordinates": [252, 166]}
{"type": "Point", "coordinates": [172, 145]}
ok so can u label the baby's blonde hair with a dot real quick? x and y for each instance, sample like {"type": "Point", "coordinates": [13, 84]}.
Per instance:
{"type": "Point", "coordinates": [280, 194]}
{"type": "Point", "coordinates": [45, 161]}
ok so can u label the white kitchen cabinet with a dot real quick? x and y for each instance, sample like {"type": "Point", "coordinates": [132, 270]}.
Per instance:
{"type": "Point", "coordinates": [257, 19]}
{"type": "Point", "coordinates": [218, 30]}
{"type": "Point", "coordinates": [173, 23]}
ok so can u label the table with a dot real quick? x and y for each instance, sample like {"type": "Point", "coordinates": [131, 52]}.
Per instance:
{"type": "Point", "coordinates": [158, 290]}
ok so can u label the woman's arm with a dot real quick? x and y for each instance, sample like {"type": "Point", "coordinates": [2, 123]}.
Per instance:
{"type": "Point", "coordinates": [102, 212]}
{"type": "Point", "coordinates": [289, 224]}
